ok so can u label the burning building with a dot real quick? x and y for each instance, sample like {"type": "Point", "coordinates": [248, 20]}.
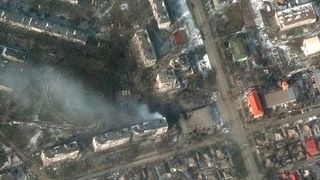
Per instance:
{"type": "Point", "coordinates": [60, 153]}
{"type": "Point", "coordinates": [160, 13]}
{"type": "Point", "coordinates": [296, 16]}
{"type": "Point", "coordinates": [149, 129]}
{"type": "Point", "coordinates": [166, 81]}
{"type": "Point", "coordinates": [143, 48]}
{"type": "Point", "coordinates": [110, 140]}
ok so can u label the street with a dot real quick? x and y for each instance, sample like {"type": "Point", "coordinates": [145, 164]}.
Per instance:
{"type": "Point", "coordinates": [227, 107]}
{"type": "Point", "coordinates": [147, 158]}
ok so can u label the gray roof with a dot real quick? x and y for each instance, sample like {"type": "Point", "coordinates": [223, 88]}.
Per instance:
{"type": "Point", "coordinates": [113, 135]}
{"type": "Point", "coordinates": [280, 97]}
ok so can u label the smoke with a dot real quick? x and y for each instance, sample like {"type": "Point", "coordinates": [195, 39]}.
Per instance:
{"type": "Point", "coordinates": [59, 93]}
{"type": "Point", "coordinates": [145, 113]}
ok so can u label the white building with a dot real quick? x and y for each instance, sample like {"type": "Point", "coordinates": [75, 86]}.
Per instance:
{"type": "Point", "coordinates": [149, 129]}
{"type": "Point", "coordinates": [160, 13]}
{"type": "Point", "coordinates": [71, 1]}
{"type": "Point", "coordinates": [143, 49]}
{"type": "Point", "coordinates": [296, 16]}
{"type": "Point", "coordinates": [311, 45]}
{"type": "Point", "coordinates": [60, 153]}
{"type": "Point", "coordinates": [110, 140]}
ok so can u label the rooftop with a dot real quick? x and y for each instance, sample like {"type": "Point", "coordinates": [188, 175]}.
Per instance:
{"type": "Point", "coordinates": [238, 48]}
{"type": "Point", "coordinates": [311, 147]}
{"type": "Point", "coordinates": [41, 26]}
{"type": "Point", "coordinates": [114, 135]}
{"type": "Point", "coordinates": [280, 97]}
{"type": "Point", "coordinates": [150, 126]}
{"type": "Point", "coordinates": [296, 16]}
{"type": "Point", "coordinates": [311, 45]}
{"type": "Point", "coordinates": [146, 44]}
{"type": "Point", "coordinates": [255, 105]}
{"type": "Point", "coordinates": [61, 149]}
{"type": "Point", "coordinates": [181, 37]}
{"type": "Point", "coordinates": [160, 11]}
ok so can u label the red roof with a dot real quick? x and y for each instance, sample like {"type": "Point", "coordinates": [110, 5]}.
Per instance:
{"type": "Point", "coordinates": [255, 104]}
{"type": "Point", "coordinates": [180, 37]}
{"type": "Point", "coordinates": [312, 148]}
{"type": "Point", "coordinates": [287, 175]}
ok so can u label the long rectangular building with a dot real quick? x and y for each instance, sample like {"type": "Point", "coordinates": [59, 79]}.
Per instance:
{"type": "Point", "coordinates": [160, 13]}
{"type": "Point", "coordinates": [110, 140]}
{"type": "Point", "coordinates": [296, 16]}
{"type": "Point", "coordinates": [143, 48]}
{"type": "Point", "coordinates": [280, 98]}
{"type": "Point", "coordinates": [148, 129]}
{"type": "Point", "coordinates": [60, 153]}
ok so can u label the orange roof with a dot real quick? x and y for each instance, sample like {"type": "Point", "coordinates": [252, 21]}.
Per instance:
{"type": "Point", "coordinates": [312, 148]}
{"type": "Point", "coordinates": [285, 85]}
{"type": "Point", "coordinates": [181, 37]}
{"type": "Point", "coordinates": [255, 104]}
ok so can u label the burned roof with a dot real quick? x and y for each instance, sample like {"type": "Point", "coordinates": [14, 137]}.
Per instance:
{"type": "Point", "coordinates": [62, 149]}
{"type": "Point", "coordinates": [113, 135]}
{"type": "Point", "coordinates": [150, 126]}
{"type": "Point", "coordinates": [198, 119]}
{"type": "Point", "coordinates": [295, 16]}
{"type": "Point", "coordinates": [146, 44]}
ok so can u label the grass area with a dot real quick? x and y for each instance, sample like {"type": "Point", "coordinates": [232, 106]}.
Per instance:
{"type": "Point", "coordinates": [237, 160]}
{"type": "Point", "coordinates": [233, 22]}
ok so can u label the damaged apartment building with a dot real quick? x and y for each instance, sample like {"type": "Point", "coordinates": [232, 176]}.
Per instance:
{"type": "Point", "coordinates": [40, 26]}
{"type": "Point", "coordinates": [296, 16]}
{"type": "Point", "coordinates": [111, 139]}
{"type": "Point", "coordinates": [59, 153]}
{"type": "Point", "coordinates": [143, 49]}
{"type": "Point", "coordinates": [140, 132]}
{"type": "Point", "coordinates": [160, 13]}
{"type": "Point", "coordinates": [149, 130]}
{"type": "Point", "coordinates": [13, 60]}
{"type": "Point", "coordinates": [166, 80]}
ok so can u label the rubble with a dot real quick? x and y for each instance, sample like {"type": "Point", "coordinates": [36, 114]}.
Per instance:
{"type": "Point", "coordinates": [143, 48]}
{"type": "Point", "coordinates": [166, 80]}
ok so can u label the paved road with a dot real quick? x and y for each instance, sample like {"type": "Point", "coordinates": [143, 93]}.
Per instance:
{"type": "Point", "coordinates": [147, 158]}
{"type": "Point", "coordinates": [227, 107]}
{"type": "Point", "coordinates": [265, 124]}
